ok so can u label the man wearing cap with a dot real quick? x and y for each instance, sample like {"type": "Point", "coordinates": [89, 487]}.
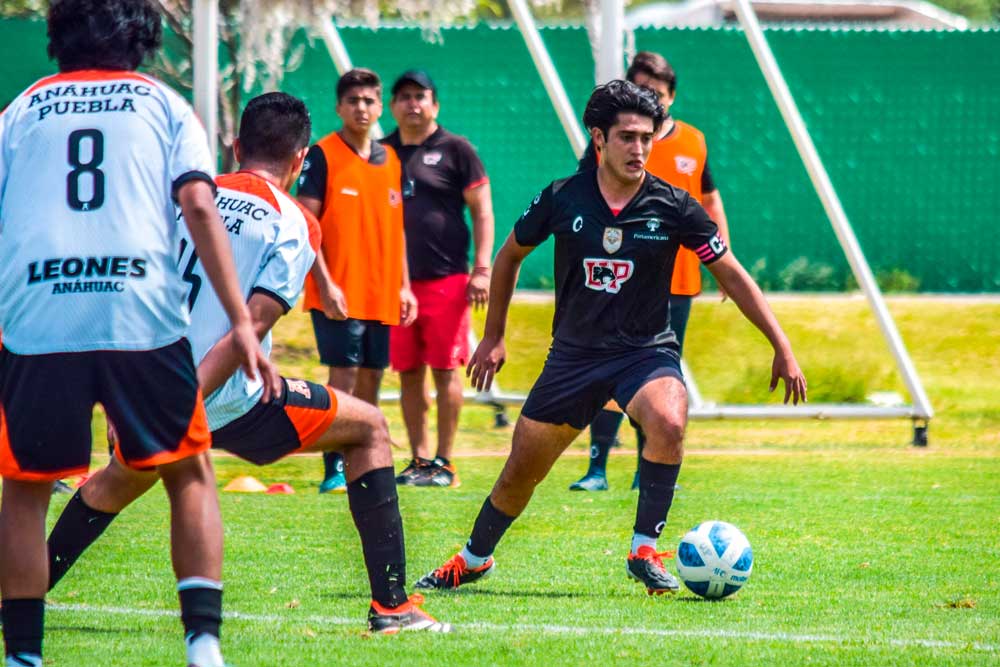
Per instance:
{"type": "Point", "coordinates": [441, 176]}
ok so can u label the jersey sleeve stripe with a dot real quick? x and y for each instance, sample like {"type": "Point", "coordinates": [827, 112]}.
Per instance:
{"type": "Point", "coordinates": [475, 184]}
{"type": "Point", "coordinates": [186, 178]}
{"type": "Point", "coordinates": [266, 292]}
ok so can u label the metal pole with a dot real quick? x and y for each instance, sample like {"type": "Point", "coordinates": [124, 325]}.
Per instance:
{"type": "Point", "coordinates": [553, 85]}
{"type": "Point", "coordinates": [341, 59]}
{"type": "Point", "coordinates": [206, 68]}
{"type": "Point", "coordinates": [831, 203]}
{"type": "Point", "coordinates": [611, 52]}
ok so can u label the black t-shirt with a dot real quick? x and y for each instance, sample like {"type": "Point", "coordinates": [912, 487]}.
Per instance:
{"type": "Point", "coordinates": [436, 175]}
{"type": "Point", "coordinates": [312, 181]}
{"type": "Point", "coordinates": [613, 272]}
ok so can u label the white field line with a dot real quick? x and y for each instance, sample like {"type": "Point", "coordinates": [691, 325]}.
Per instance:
{"type": "Point", "coordinates": [785, 637]}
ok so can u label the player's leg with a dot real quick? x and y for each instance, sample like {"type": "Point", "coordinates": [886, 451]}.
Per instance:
{"type": "Point", "coordinates": [374, 361]}
{"type": "Point", "coordinates": [46, 403]}
{"type": "Point", "coordinates": [659, 407]}
{"type": "Point", "coordinates": [450, 387]}
{"type": "Point", "coordinates": [680, 312]}
{"type": "Point", "coordinates": [445, 342]}
{"type": "Point", "coordinates": [339, 346]}
{"type": "Point", "coordinates": [415, 402]}
{"type": "Point", "coordinates": [90, 511]}
{"type": "Point", "coordinates": [24, 571]}
{"type": "Point", "coordinates": [154, 401]}
{"type": "Point", "coordinates": [534, 449]}
{"type": "Point", "coordinates": [406, 358]}
{"type": "Point", "coordinates": [603, 435]}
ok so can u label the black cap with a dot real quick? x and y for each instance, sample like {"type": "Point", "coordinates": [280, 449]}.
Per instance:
{"type": "Point", "coordinates": [416, 76]}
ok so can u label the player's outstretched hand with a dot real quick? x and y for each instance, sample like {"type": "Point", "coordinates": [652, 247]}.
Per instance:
{"type": "Point", "coordinates": [786, 368]}
{"type": "Point", "coordinates": [478, 291]}
{"type": "Point", "coordinates": [254, 361]}
{"type": "Point", "coordinates": [486, 362]}
{"type": "Point", "coordinates": [407, 307]}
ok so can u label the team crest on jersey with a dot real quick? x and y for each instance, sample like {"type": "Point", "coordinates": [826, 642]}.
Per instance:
{"type": "Point", "coordinates": [685, 165]}
{"type": "Point", "coordinates": [431, 159]}
{"type": "Point", "coordinates": [653, 224]}
{"type": "Point", "coordinates": [299, 387]}
{"type": "Point", "coordinates": [395, 199]}
{"type": "Point", "coordinates": [612, 240]}
{"type": "Point", "coordinates": [607, 275]}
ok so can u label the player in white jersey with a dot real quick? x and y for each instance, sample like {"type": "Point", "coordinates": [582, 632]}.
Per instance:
{"type": "Point", "coordinates": [91, 304]}
{"type": "Point", "coordinates": [274, 241]}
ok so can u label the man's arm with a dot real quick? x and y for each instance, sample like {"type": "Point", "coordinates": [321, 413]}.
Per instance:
{"type": "Point", "coordinates": [197, 202]}
{"type": "Point", "coordinates": [712, 203]}
{"type": "Point", "coordinates": [222, 360]}
{"type": "Point", "coordinates": [480, 202]}
{"type": "Point", "coordinates": [744, 291]}
{"type": "Point", "coordinates": [490, 355]}
{"type": "Point", "coordinates": [407, 300]}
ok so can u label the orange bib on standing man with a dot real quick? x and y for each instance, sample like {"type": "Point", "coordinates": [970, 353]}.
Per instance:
{"type": "Point", "coordinates": [679, 159]}
{"type": "Point", "coordinates": [362, 222]}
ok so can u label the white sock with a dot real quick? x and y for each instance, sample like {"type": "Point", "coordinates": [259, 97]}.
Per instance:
{"type": "Point", "coordinates": [640, 540]}
{"type": "Point", "coordinates": [203, 651]}
{"type": "Point", "coordinates": [23, 660]}
{"type": "Point", "coordinates": [472, 560]}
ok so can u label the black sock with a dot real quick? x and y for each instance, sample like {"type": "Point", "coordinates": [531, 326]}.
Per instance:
{"type": "Point", "coordinates": [23, 625]}
{"type": "Point", "coordinates": [201, 606]}
{"type": "Point", "coordinates": [333, 462]}
{"type": "Point", "coordinates": [375, 508]}
{"type": "Point", "coordinates": [604, 428]}
{"type": "Point", "coordinates": [77, 528]}
{"type": "Point", "coordinates": [598, 458]}
{"type": "Point", "coordinates": [656, 493]}
{"type": "Point", "coordinates": [490, 526]}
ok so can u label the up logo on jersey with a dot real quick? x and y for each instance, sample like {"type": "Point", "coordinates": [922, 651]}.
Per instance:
{"type": "Point", "coordinates": [685, 165]}
{"type": "Point", "coordinates": [607, 275]}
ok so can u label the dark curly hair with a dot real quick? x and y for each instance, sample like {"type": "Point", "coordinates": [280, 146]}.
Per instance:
{"type": "Point", "coordinates": [102, 34]}
{"type": "Point", "coordinates": [273, 128]}
{"type": "Point", "coordinates": [615, 97]}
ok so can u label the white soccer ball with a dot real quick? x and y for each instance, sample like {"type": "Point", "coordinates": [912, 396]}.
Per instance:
{"type": "Point", "coordinates": [714, 559]}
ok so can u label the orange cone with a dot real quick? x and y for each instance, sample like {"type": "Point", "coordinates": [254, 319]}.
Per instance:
{"type": "Point", "coordinates": [245, 484]}
{"type": "Point", "coordinates": [280, 488]}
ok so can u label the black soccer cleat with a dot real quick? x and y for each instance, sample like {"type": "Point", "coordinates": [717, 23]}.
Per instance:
{"type": "Point", "coordinates": [406, 617]}
{"type": "Point", "coordinates": [646, 567]}
{"type": "Point", "coordinates": [439, 474]}
{"type": "Point", "coordinates": [413, 471]}
{"type": "Point", "coordinates": [454, 573]}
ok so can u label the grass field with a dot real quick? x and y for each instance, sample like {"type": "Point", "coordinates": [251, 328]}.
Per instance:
{"type": "Point", "coordinates": [867, 551]}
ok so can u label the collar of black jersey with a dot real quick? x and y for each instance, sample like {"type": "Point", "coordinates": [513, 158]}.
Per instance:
{"type": "Point", "coordinates": [620, 218]}
{"type": "Point", "coordinates": [396, 141]}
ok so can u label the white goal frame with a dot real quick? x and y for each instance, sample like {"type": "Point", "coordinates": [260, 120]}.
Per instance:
{"type": "Point", "coordinates": [610, 60]}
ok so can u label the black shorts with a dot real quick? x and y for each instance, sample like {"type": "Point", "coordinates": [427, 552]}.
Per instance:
{"type": "Point", "coordinates": [47, 402]}
{"type": "Point", "coordinates": [291, 422]}
{"type": "Point", "coordinates": [351, 343]}
{"type": "Point", "coordinates": [574, 386]}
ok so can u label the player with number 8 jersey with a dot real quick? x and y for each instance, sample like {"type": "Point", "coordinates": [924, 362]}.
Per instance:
{"type": "Point", "coordinates": [92, 264]}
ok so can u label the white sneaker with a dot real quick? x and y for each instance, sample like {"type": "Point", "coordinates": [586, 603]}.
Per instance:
{"type": "Point", "coordinates": [23, 660]}
{"type": "Point", "coordinates": [202, 651]}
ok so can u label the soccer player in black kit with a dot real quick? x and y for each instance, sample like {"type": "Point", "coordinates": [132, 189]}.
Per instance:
{"type": "Point", "coordinates": [617, 229]}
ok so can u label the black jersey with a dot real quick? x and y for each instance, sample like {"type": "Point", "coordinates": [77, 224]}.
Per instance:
{"type": "Point", "coordinates": [613, 272]}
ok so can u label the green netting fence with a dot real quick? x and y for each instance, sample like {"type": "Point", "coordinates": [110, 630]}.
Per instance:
{"type": "Point", "coordinates": [906, 122]}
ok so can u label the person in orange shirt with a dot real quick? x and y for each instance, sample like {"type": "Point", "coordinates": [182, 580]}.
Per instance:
{"type": "Point", "coordinates": [360, 284]}
{"type": "Point", "coordinates": [680, 157]}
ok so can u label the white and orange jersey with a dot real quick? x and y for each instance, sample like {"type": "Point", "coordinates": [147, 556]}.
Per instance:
{"type": "Point", "coordinates": [274, 242]}
{"type": "Point", "coordinates": [89, 163]}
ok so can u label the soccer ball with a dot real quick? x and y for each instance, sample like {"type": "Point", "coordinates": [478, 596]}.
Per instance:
{"type": "Point", "coordinates": [714, 559]}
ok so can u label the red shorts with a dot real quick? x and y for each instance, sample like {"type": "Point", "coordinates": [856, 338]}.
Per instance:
{"type": "Point", "coordinates": [440, 336]}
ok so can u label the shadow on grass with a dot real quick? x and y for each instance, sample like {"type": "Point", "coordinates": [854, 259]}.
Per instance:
{"type": "Point", "coordinates": [91, 630]}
